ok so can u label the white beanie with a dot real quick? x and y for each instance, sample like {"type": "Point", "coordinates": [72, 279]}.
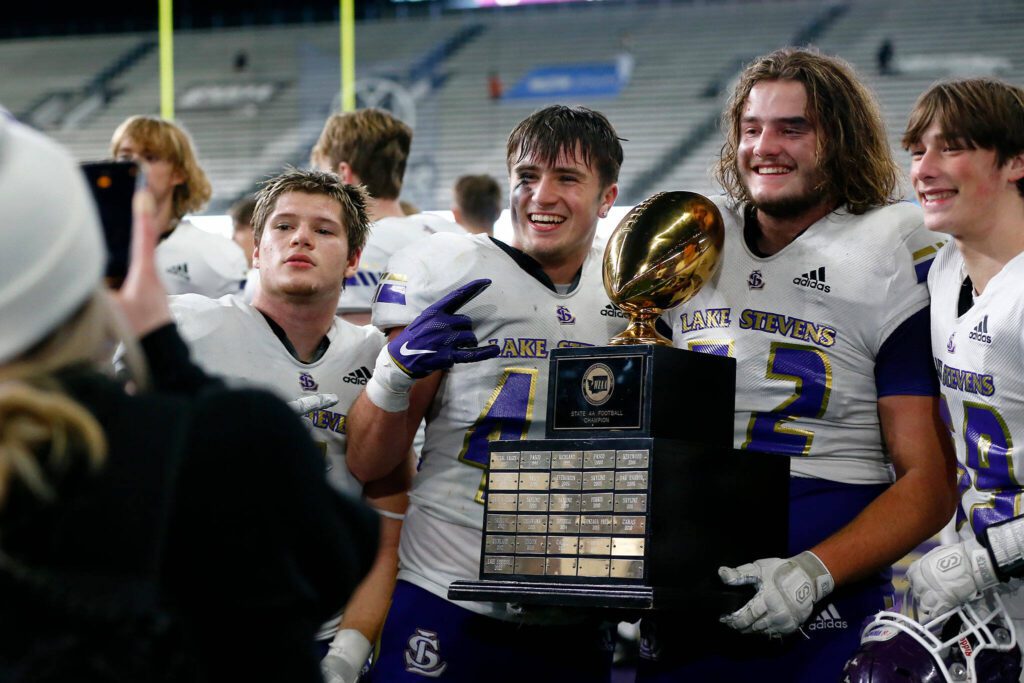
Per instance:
{"type": "Point", "coordinates": [52, 255]}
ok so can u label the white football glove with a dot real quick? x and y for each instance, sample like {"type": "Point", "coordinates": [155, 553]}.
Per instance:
{"type": "Point", "coordinates": [307, 404]}
{"type": "Point", "coordinates": [950, 575]}
{"type": "Point", "coordinates": [786, 593]}
{"type": "Point", "coordinates": [345, 658]}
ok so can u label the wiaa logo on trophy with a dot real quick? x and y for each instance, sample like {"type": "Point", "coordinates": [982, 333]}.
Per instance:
{"type": "Point", "coordinates": [659, 256]}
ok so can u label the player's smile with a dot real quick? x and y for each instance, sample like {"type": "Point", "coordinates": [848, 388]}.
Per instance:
{"type": "Point", "coordinates": [957, 186]}
{"type": "Point", "coordinates": [555, 207]}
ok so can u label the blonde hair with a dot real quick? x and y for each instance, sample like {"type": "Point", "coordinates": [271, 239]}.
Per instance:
{"type": "Point", "coordinates": [171, 143]}
{"type": "Point", "coordinates": [373, 143]}
{"type": "Point", "coordinates": [41, 426]}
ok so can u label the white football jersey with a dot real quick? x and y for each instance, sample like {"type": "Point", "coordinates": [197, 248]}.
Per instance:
{"type": "Point", "coordinates": [387, 236]}
{"type": "Point", "coordinates": [806, 325]}
{"type": "Point", "coordinates": [503, 397]}
{"type": "Point", "coordinates": [193, 261]}
{"type": "Point", "coordinates": [230, 338]}
{"type": "Point", "coordinates": [979, 357]}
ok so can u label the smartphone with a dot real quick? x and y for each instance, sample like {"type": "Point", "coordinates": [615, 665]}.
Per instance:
{"type": "Point", "coordinates": [113, 186]}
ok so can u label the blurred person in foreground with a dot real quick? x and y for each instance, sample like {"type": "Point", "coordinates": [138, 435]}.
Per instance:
{"type": "Point", "coordinates": [139, 527]}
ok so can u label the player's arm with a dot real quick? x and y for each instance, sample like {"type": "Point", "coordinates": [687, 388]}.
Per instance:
{"type": "Point", "coordinates": [916, 506]}
{"type": "Point", "coordinates": [380, 440]}
{"type": "Point", "coordinates": [920, 501]}
{"type": "Point", "coordinates": [383, 420]}
{"type": "Point", "coordinates": [366, 609]}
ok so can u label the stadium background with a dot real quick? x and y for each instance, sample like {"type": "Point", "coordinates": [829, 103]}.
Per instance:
{"type": "Point", "coordinates": [255, 79]}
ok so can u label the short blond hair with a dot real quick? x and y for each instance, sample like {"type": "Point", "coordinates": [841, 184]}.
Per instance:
{"type": "Point", "coordinates": [172, 143]}
{"type": "Point", "coordinates": [373, 143]}
{"type": "Point", "coordinates": [351, 198]}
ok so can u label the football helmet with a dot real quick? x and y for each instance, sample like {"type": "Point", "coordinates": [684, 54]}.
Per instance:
{"type": "Point", "coordinates": [973, 643]}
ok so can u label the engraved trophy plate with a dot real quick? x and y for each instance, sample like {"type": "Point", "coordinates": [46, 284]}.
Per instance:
{"type": "Point", "coordinates": [504, 461]}
{"type": "Point", "coordinates": [533, 502]}
{"type": "Point", "coordinates": [503, 481]}
{"type": "Point", "coordinates": [502, 502]}
{"type": "Point", "coordinates": [496, 544]}
{"type": "Point", "coordinates": [561, 566]}
{"type": "Point", "coordinates": [565, 524]}
{"type": "Point", "coordinates": [598, 481]}
{"type": "Point", "coordinates": [532, 524]}
{"type": "Point", "coordinates": [630, 480]}
{"type": "Point", "coordinates": [598, 460]}
{"type": "Point", "coordinates": [565, 502]}
{"type": "Point", "coordinates": [534, 481]}
{"type": "Point", "coordinates": [563, 545]}
{"type": "Point", "coordinates": [566, 481]}
{"type": "Point", "coordinates": [499, 564]}
{"type": "Point", "coordinates": [501, 523]}
{"type": "Point", "coordinates": [530, 545]}
{"type": "Point", "coordinates": [597, 502]}
{"type": "Point", "coordinates": [566, 460]}
{"type": "Point", "coordinates": [595, 524]}
{"type": "Point", "coordinates": [535, 460]}
{"type": "Point", "coordinates": [630, 502]}
{"type": "Point", "coordinates": [633, 525]}
{"type": "Point", "coordinates": [596, 545]}
{"type": "Point", "coordinates": [638, 459]}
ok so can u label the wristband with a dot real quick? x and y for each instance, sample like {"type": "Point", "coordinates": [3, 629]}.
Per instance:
{"type": "Point", "coordinates": [389, 387]}
{"type": "Point", "coordinates": [1006, 541]}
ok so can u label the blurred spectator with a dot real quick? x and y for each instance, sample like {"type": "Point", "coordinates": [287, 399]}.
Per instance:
{"type": "Point", "coordinates": [495, 88]}
{"type": "Point", "coordinates": [476, 203]}
{"type": "Point", "coordinates": [138, 529]}
{"type": "Point", "coordinates": [886, 52]}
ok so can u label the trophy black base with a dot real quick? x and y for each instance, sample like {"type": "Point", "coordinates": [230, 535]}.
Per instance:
{"type": "Point", "coordinates": [626, 523]}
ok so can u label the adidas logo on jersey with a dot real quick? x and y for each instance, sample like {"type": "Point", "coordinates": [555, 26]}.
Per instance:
{"type": "Point", "coordinates": [612, 312]}
{"type": "Point", "coordinates": [180, 270]}
{"type": "Point", "coordinates": [360, 376]}
{"type": "Point", "coordinates": [828, 619]}
{"type": "Point", "coordinates": [815, 279]}
{"type": "Point", "coordinates": [980, 332]}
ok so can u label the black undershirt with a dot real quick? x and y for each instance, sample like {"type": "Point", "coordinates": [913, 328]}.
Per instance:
{"type": "Point", "coordinates": [318, 352]}
{"type": "Point", "coordinates": [966, 299]}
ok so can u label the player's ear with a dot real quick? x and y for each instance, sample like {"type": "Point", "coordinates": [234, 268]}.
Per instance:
{"type": "Point", "coordinates": [344, 171]}
{"type": "Point", "coordinates": [1015, 166]}
{"type": "Point", "coordinates": [353, 263]}
{"type": "Point", "coordinates": [608, 199]}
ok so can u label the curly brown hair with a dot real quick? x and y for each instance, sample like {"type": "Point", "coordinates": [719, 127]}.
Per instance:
{"type": "Point", "coordinates": [854, 156]}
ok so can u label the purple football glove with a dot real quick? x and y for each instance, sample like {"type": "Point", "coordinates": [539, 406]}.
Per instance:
{"type": "Point", "coordinates": [439, 338]}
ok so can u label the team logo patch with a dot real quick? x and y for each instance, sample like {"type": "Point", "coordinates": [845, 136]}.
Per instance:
{"type": "Point", "coordinates": [980, 332]}
{"type": "Point", "coordinates": [307, 382]}
{"type": "Point", "coordinates": [360, 376]}
{"type": "Point", "coordinates": [423, 654]}
{"type": "Point", "coordinates": [598, 384]}
{"type": "Point", "coordinates": [814, 278]}
{"type": "Point", "coordinates": [951, 345]}
{"type": "Point", "coordinates": [565, 316]}
{"type": "Point", "coordinates": [755, 280]}
{"type": "Point", "coordinates": [391, 289]}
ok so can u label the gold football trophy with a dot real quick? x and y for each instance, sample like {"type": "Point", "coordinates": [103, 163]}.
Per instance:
{"type": "Point", "coordinates": [660, 255]}
{"type": "Point", "coordinates": [627, 501]}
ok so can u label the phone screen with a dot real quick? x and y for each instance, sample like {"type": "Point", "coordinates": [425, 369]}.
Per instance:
{"type": "Point", "coordinates": [113, 185]}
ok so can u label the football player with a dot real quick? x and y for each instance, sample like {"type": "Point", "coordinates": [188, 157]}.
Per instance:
{"type": "Point", "coordinates": [309, 229]}
{"type": "Point", "coordinates": [821, 299]}
{"type": "Point", "coordinates": [190, 260]}
{"type": "Point", "coordinates": [966, 141]}
{"type": "Point", "coordinates": [545, 293]}
{"type": "Point", "coordinates": [370, 147]}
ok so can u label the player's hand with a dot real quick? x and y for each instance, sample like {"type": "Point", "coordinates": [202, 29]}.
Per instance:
{"type": "Point", "coordinates": [439, 337]}
{"type": "Point", "coordinates": [786, 593]}
{"type": "Point", "coordinates": [307, 404]}
{"type": "Point", "coordinates": [142, 297]}
{"type": "Point", "coordinates": [345, 658]}
{"type": "Point", "coordinates": [950, 575]}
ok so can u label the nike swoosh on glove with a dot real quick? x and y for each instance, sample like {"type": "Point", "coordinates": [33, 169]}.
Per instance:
{"type": "Point", "coordinates": [439, 337]}
{"type": "Point", "coordinates": [949, 576]}
{"type": "Point", "coordinates": [786, 592]}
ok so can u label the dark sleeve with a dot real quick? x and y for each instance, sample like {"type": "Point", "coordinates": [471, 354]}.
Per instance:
{"type": "Point", "coordinates": [904, 366]}
{"type": "Point", "coordinates": [261, 549]}
{"type": "Point", "coordinates": [172, 370]}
